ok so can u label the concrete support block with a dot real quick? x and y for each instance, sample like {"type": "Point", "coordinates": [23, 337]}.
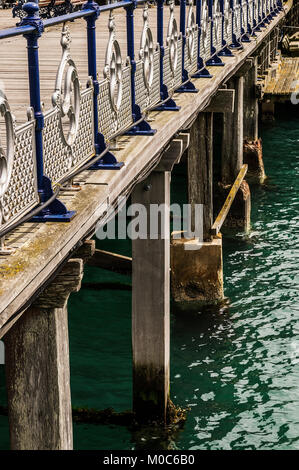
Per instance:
{"type": "Point", "coordinates": [196, 272]}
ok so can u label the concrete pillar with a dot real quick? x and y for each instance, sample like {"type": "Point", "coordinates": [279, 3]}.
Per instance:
{"type": "Point", "coordinates": [232, 160]}
{"type": "Point", "coordinates": [150, 304]}
{"type": "Point", "coordinates": [253, 153]}
{"type": "Point", "coordinates": [37, 365]}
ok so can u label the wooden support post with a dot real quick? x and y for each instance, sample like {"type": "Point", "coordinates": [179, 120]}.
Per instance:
{"type": "Point", "coordinates": [253, 153]}
{"type": "Point", "coordinates": [150, 305]}
{"type": "Point", "coordinates": [151, 292]}
{"type": "Point", "coordinates": [200, 170]}
{"type": "Point", "coordinates": [37, 366]}
{"type": "Point", "coordinates": [232, 160]}
{"type": "Point", "coordinates": [232, 140]}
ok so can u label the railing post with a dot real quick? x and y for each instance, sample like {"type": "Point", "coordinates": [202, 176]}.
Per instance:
{"type": "Point", "coordinates": [142, 128]}
{"type": "Point", "coordinates": [187, 86]}
{"type": "Point", "coordinates": [56, 211]}
{"type": "Point", "coordinates": [168, 104]}
{"type": "Point", "coordinates": [214, 60]}
{"type": "Point", "coordinates": [33, 19]}
{"type": "Point", "coordinates": [108, 161]}
{"type": "Point", "coordinates": [202, 72]}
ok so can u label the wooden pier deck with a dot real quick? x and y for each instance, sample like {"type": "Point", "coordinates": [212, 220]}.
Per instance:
{"type": "Point", "coordinates": [285, 80]}
{"type": "Point", "coordinates": [40, 248]}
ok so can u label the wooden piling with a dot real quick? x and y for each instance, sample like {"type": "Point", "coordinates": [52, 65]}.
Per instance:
{"type": "Point", "coordinates": [232, 159]}
{"type": "Point", "coordinates": [200, 170]}
{"type": "Point", "coordinates": [252, 152]}
{"type": "Point", "coordinates": [37, 365]}
{"type": "Point", "coordinates": [150, 305]}
{"type": "Point", "coordinates": [232, 138]}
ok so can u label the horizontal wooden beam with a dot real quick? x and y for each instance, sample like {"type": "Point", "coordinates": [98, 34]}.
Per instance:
{"type": "Point", "coordinates": [245, 67]}
{"type": "Point", "coordinates": [111, 261]}
{"type": "Point", "coordinates": [174, 151]}
{"type": "Point", "coordinates": [222, 102]}
{"type": "Point", "coordinates": [229, 200]}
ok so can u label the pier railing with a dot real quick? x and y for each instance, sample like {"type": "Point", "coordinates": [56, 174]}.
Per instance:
{"type": "Point", "coordinates": [75, 133]}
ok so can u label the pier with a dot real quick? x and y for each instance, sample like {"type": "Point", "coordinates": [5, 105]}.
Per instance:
{"type": "Point", "coordinates": [99, 104]}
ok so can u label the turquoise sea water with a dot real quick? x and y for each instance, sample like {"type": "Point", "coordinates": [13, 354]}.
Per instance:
{"type": "Point", "coordinates": [237, 370]}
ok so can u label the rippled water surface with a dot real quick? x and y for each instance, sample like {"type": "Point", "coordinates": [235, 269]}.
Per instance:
{"type": "Point", "coordinates": [239, 370]}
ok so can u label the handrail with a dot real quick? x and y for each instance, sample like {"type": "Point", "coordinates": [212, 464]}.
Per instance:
{"type": "Point", "coordinates": [228, 201]}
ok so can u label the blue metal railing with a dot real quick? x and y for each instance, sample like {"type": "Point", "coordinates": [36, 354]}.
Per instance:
{"type": "Point", "coordinates": [217, 27]}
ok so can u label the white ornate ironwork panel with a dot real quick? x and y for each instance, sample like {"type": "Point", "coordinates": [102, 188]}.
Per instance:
{"type": "Point", "coordinates": [18, 178]}
{"type": "Point", "coordinates": [145, 97]}
{"type": "Point", "coordinates": [60, 159]}
{"type": "Point", "coordinates": [217, 26]}
{"type": "Point", "coordinates": [263, 9]}
{"type": "Point", "coordinates": [244, 15]}
{"type": "Point", "coordinates": [205, 32]}
{"type": "Point", "coordinates": [191, 41]}
{"type": "Point", "coordinates": [172, 60]}
{"type": "Point", "coordinates": [147, 76]}
{"type": "Point", "coordinates": [250, 13]}
{"type": "Point", "coordinates": [256, 11]}
{"type": "Point", "coordinates": [227, 22]}
{"type": "Point", "coordinates": [114, 101]}
{"type": "Point", "coordinates": [112, 121]}
{"type": "Point", "coordinates": [268, 7]}
{"type": "Point", "coordinates": [68, 134]}
{"type": "Point", "coordinates": [237, 19]}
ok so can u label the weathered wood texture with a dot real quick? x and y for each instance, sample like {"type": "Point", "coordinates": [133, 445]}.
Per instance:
{"type": "Point", "coordinates": [250, 120]}
{"type": "Point", "coordinates": [38, 255]}
{"type": "Point", "coordinates": [222, 102]}
{"type": "Point", "coordinates": [37, 369]}
{"type": "Point", "coordinates": [200, 171]}
{"type": "Point", "coordinates": [150, 304]}
{"type": "Point", "coordinates": [37, 364]}
{"type": "Point", "coordinates": [284, 81]}
{"type": "Point", "coordinates": [232, 137]}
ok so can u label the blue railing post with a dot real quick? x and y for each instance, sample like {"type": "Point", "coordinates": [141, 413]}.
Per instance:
{"type": "Point", "coordinates": [55, 211]}
{"type": "Point", "coordinates": [214, 60]}
{"type": "Point", "coordinates": [225, 52]}
{"type": "Point", "coordinates": [244, 27]}
{"type": "Point", "coordinates": [187, 86]}
{"type": "Point", "coordinates": [168, 104]}
{"type": "Point", "coordinates": [202, 72]}
{"type": "Point", "coordinates": [108, 161]}
{"type": "Point", "coordinates": [143, 127]}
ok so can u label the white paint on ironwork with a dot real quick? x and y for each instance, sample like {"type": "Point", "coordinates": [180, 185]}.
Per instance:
{"type": "Point", "coordinates": [66, 96]}
{"type": "Point", "coordinates": [227, 22]}
{"type": "Point", "coordinates": [205, 35]}
{"type": "Point", "coordinates": [147, 76]}
{"type": "Point", "coordinates": [237, 19]}
{"type": "Point", "coordinates": [217, 26]}
{"type": "Point", "coordinates": [172, 61]}
{"type": "Point", "coordinates": [114, 100]}
{"type": "Point", "coordinates": [191, 41]}
{"type": "Point", "coordinates": [18, 178]}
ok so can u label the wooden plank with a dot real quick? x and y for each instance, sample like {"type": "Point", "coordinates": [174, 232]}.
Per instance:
{"type": "Point", "coordinates": [111, 261]}
{"type": "Point", "coordinates": [216, 227]}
